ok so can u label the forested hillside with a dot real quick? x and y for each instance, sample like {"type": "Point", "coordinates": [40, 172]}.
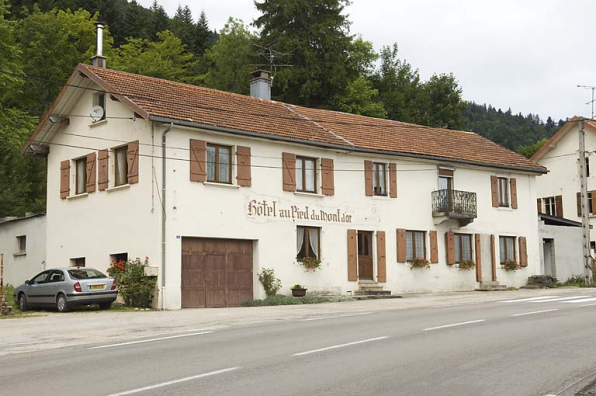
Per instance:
{"type": "Point", "coordinates": [42, 41]}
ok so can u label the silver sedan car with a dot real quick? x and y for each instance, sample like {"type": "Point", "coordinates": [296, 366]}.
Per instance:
{"type": "Point", "coordinates": [64, 288]}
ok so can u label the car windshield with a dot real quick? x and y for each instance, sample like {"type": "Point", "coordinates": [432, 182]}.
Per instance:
{"type": "Point", "coordinates": [85, 273]}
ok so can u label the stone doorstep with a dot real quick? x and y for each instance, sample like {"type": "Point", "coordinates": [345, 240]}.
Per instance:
{"type": "Point", "coordinates": [491, 286]}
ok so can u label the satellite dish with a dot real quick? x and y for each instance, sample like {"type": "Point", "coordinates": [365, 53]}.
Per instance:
{"type": "Point", "coordinates": [97, 113]}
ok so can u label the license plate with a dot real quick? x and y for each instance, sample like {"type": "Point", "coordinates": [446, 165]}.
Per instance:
{"type": "Point", "coordinates": [96, 287]}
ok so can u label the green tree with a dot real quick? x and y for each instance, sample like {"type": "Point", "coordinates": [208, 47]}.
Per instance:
{"type": "Point", "coordinates": [315, 37]}
{"type": "Point", "coordinates": [22, 179]}
{"type": "Point", "coordinates": [159, 20]}
{"type": "Point", "coordinates": [230, 59]}
{"type": "Point", "coordinates": [134, 21]}
{"type": "Point", "coordinates": [9, 56]}
{"type": "Point", "coordinates": [441, 102]}
{"type": "Point", "coordinates": [183, 27]}
{"type": "Point", "coordinates": [361, 98]}
{"type": "Point", "coordinates": [52, 44]}
{"type": "Point", "coordinates": [111, 12]}
{"type": "Point", "coordinates": [529, 151]}
{"type": "Point", "coordinates": [203, 35]}
{"type": "Point", "coordinates": [166, 58]}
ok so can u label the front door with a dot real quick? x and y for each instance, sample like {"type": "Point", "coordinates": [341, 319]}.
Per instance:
{"type": "Point", "coordinates": [365, 259]}
{"type": "Point", "coordinates": [549, 268]}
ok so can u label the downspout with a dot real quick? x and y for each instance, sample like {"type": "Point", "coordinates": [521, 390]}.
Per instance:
{"type": "Point", "coordinates": [163, 213]}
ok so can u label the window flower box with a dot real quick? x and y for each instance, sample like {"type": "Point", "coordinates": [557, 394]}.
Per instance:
{"type": "Point", "coordinates": [466, 265]}
{"type": "Point", "coordinates": [419, 262]}
{"type": "Point", "coordinates": [510, 265]}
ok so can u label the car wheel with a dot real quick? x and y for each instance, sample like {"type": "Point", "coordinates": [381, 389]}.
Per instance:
{"type": "Point", "coordinates": [23, 304]}
{"type": "Point", "coordinates": [105, 305]}
{"type": "Point", "coordinates": [62, 303]}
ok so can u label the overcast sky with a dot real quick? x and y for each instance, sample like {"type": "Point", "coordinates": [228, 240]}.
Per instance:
{"type": "Point", "coordinates": [528, 55]}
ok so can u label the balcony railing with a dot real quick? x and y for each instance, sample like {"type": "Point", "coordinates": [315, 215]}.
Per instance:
{"type": "Point", "coordinates": [454, 204]}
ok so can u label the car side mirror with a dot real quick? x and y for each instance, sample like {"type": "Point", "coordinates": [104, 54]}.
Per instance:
{"type": "Point", "coordinates": [28, 282]}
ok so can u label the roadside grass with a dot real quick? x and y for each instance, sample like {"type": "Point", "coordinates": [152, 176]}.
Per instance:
{"type": "Point", "coordinates": [286, 300]}
{"type": "Point", "coordinates": [85, 309]}
{"type": "Point", "coordinates": [575, 281]}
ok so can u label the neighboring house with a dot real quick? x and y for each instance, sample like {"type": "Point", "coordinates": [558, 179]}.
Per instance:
{"type": "Point", "coordinates": [561, 252]}
{"type": "Point", "coordinates": [559, 190]}
{"type": "Point", "coordinates": [23, 243]}
{"type": "Point", "coordinates": [244, 184]}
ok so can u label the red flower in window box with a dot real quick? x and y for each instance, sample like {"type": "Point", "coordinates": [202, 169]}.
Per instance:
{"type": "Point", "coordinates": [419, 262]}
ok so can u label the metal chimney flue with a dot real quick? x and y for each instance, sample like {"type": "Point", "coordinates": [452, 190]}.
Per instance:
{"type": "Point", "coordinates": [260, 85]}
{"type": "Point", "coordinates": [99, 60]}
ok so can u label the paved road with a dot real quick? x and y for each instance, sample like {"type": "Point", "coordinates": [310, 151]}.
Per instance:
{"type": "Point", "coordinates": [520, 346]}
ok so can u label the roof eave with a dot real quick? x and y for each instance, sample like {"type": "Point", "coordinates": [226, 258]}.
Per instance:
{"type": "Point", "coordinates": [192, 124]}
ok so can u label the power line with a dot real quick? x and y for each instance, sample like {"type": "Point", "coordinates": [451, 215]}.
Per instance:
{"type": "Point", "coordinates": [219, 163]}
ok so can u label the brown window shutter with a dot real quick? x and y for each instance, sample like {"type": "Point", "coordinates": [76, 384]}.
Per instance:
{"type": "Point", "coordinates": [198, 160]}
{"type": "Point", "coordinates": [102, 171]}
{"type": "Point", "coordinates": [91, 160]}
{"type": "Point", "coordinates": [392, 181]}
{"type": "Point", "coordinates": [133, 162]}
{"type": "Point", "coordinates": [401, 246]}
{"type": "Point", "coordinates": [434, 248]}
{"type": "Point", "coordinates": [579, 203]}
{"type": "Point", "coordinates": [559, 206]}
{"type": "Point", "coordinates": [539, 205]}
{"type": "Point", "coordinates": [244, 172]}
{"type": "Point", "coordinates": [64, 179]}
{"type": "Point", "coordinates": [513, 184]}
{"type": "Point", "coordinates": [352, 256]}
{"type": "Point", "coordinates": [478, 252]}
{"type": "Point", "coordinates": [381, 257]}
{"type": "Point", "coordinates": [368, 178]}
{"type": "Point", "coordinates": [450, 247]}
{"type": "Point", "coordinates": [289, 171]}
{"type": "Point", "coordinates": [327, 177]}
{"type": "Point", "coordinates": [523, 252]}
{"type": "Point", "coordinates": [494, 190]}
{"type": "Point", "coordinates": [493, 258]}
{"type": "Point", "coordinates": [593, 208]}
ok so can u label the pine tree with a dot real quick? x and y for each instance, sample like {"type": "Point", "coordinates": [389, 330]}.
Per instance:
{"type": "Point", "coordinates": [183, 27]}
{"type": "Point", "coordinates": [159, 20]}
{"type": "Point", "coordinates": [111, 13]}
{"type": "Point", "coordinates": [203, 36]}
{"type": "Point", "coordinates": [134, 22]}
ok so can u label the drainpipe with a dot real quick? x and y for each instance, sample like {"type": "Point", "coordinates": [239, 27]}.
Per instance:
{"type": "Point", "coordinates": [163, 213]}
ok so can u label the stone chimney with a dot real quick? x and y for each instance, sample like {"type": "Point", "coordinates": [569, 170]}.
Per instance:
{"type": "Point", "coordinates": [260, 85]}
{"type": "Point", "coordinates": [99, 60]}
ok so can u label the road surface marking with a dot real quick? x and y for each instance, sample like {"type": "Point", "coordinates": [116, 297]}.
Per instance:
{"type": "Point", "coordinates": [582, 300]}
{"type": "Point", "coordinates": [535, 312]}
{"type": "Point", "coordinates": [336, 316]}
{"type": "Point", "coordinates": [587, 305]}
{"type": "Point", "coordinates": [527, 299]}
{"type": "Point", "coordinates": [454, 324]}
{"type": "Point", "coordinates": [457, 305]}
{"type": "Point", "coordinates": [151, 340]}
{"type": "Point", "coordinates": [561, 299]}
{"type": "Point", "coordinates": [340, 346]}
{"type": "Point", "coordinates": [194, 377]}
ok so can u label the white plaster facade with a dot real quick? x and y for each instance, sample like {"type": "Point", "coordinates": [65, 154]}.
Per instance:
{"type": "Point", "coordinates": [128, 219]}
{"type": "Point", "coordinates": [22, 265]}
{"type": "Point", "coordinates": [561, 253]}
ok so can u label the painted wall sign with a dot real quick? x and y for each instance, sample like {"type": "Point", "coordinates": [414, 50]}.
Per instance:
{"type": "Point", "coordinates": [265, 209]}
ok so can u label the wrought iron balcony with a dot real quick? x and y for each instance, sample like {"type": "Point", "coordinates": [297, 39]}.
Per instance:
{"type": "Point", "coordinates": [453, 204]}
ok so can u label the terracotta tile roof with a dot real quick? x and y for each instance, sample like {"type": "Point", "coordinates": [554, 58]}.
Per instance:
{"type": "Point", "coordinates": [182, 102]}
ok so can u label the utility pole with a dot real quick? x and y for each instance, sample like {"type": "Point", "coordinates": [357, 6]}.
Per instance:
{"type": "Point", "coordinates": [584, 203]}
{"type": "Point", "coordinates": [593, 100]}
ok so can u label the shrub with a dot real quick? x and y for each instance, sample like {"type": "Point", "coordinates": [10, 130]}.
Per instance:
{"type": "Point", "coordinates": [270, 283]}
{"type": "Point", "coordinates": [135, 288]}
{"type": "Point", "coordinates": [510, 265]}
{"type": "Point", "coordinates": [284, 300]}
{"type": "Point", "coordinates": [419, 262]}
{"type": "Point", "coordinates": [466, 264]}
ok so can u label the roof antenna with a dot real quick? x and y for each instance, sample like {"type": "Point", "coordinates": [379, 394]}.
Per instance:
{"type": "Point", "coordinates": [592, 101]}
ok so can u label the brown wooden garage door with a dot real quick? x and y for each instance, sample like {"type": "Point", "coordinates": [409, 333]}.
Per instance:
{"type": "Point", "coordinates": [216, 272]}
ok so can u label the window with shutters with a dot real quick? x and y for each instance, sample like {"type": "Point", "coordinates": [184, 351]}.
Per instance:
{"type": "Point", "coordinates": [306, 174]}
{"type": "Point", "coordinates": [463, 247]}
{"type": "Point", "coordinates": [507, 248]}
{"type": "Point", "coordinates": [308, 243]}
{"type": "Point", "coordinates": [380, 179]}
{"type": "Point", "coordinates": [503, 191]}
{"type": "Point", "coordinates": [415, 245]}
{"type": "Point", "coordinates": [81, 175]}
{"type": "Point", "coordinates": [120, 166]}
{"type": "Point", "coordinates": [219, 163]}
{"type": "Point", "coordinates": [550, 206]}
{"type": "Point", "coordinates": [21, 244]}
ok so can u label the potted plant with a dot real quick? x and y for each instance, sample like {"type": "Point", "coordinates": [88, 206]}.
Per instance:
{"type": "Point", "coordinates": [510, 265]}
{"type": "Point", "coordinates": [298, 291]}
{"type": "Point", "coordinates": [466, 264]}
{"type": "Point", "coordinates": [419, 262]}
{"type": "Point", "coordinates": [311, 263]}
